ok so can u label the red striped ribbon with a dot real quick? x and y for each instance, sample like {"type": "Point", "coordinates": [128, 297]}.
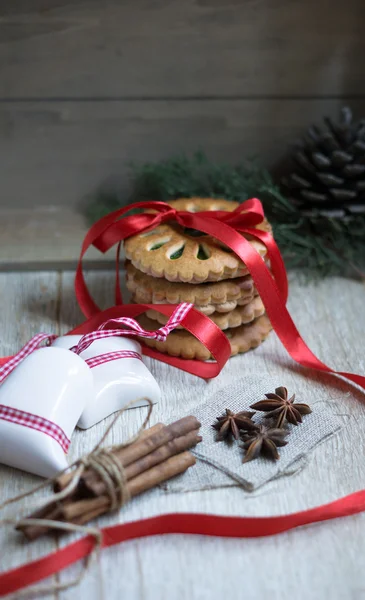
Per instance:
{"type": "Point", "coordinates": [39, 423]}
{"type": "Point", "coordinates": [101, 359]}
{"type": "Point", "coordinates": [134, 329]}
{"type": "Point", "coordinates": [12, 362]}
{"type": "Point", "coordinates": [26, 419]}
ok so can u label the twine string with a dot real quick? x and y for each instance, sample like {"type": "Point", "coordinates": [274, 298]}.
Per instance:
{"type": "Point", "coordinates": [112, 474]}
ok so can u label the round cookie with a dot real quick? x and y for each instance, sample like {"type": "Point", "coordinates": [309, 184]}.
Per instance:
{"type": "Point", "coordinates": [221, 296]}
{"type": "Point", "coordinates": [239, 316]}
{"type": "Point", "coordinates": [185, 345]}
{"type": "Point", "coordinates": [179, 254]}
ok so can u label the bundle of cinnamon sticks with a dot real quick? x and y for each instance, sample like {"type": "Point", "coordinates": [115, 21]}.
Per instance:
{"type": "Point", "coordinates": [160, 453]}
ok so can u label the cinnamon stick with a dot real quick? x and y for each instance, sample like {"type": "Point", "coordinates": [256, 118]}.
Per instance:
{"type": "Point", "coordinates": [49, 512]}
{"type": "Point", "coordinates": [97, 487]}
{"type": "Point", "coordinates": [135, 451]}
{"type": "Point", "coordinates": [76, 508]}
{"type": "Point", "coordinates": [148, 470]}
{"type": "Point", "coordinates": [83, 511]}
{"type": "Point", "coordinates": [92, 484]}
{"type": "Point", "coordinates": [150, 440]}
{"type": "Point", "coordinates": [66, 478]}
{"type": "Point", "coordinates": [170, 468]}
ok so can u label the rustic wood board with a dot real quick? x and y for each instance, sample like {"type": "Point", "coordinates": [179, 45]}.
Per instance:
{"type": "Point", "coordinates": [172, 49]}
{"type": "Point", "coordinates": [61, 153]}
{"type": "Point", "coordinates": [86, 87]}
{"type": "Point", "coordinates": [29, 305]}
{"type": "Point", "coordinates": [314, 562]}
{"type": "Point", "coordinates": [46, 238]}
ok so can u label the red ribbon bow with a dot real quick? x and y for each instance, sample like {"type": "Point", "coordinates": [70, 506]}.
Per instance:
{"type": "Point", "coordinates": [227, 227]}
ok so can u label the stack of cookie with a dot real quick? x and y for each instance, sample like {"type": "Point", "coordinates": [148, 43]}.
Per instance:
{"type": "Point", "coordinates": [171, 264]}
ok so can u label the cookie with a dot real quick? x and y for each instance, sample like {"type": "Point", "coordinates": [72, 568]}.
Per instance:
{"type": "Point", "coordinates": [181, 254]}
{"type": "Point", "coordinates": [234, 318]}
{"type": "Point", "coordinates": [185, 345]}
{"type": "Point", "coordinates": [222, 296]}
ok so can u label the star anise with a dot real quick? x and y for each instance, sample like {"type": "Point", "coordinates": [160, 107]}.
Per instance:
{"type": "Point", "coordinates": [283, 408]}
{"type": "Point", "coordinates": [230, 423]}
{"type": "Point", "coordinates": [263, 440]}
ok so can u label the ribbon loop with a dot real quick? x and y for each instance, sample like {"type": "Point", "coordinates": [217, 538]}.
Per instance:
{"type": "Point", "coordinates": [230, 229]}
{"type": "Point", "coordinates": [134, 329]}
{"type": "Point", "coordinates": [175, 319]}
{"type": "Point", "coordinates": [199, 325]}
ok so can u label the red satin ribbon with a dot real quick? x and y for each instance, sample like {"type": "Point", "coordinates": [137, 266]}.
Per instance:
{"type": "Point", "coordinates": [203, 329]}
{"type": "Point", "coordinates": [228, 228]}
{"type": "Point", "coordinates": [181, 523]}
{"type": "Point", "coordinates": [111, 229]}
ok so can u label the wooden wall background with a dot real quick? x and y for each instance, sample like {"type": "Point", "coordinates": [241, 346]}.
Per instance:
{"type": "Point", "coordinates": [87, 85]}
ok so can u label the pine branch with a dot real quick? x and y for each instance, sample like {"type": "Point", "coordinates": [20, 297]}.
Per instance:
{"type": "Point", "coordinates": [319, 246]}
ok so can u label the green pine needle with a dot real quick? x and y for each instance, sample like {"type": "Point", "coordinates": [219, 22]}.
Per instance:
{"type": "Point", "coordinates": [318, 245]}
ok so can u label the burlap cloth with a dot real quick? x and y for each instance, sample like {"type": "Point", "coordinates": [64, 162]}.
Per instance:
{"type": "Point", "coordinates": [220, 464]}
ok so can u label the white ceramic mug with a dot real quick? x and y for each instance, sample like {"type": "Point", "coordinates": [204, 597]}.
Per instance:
{"type": "Point", "coordinates": [117, 382]}
{"type": "Point", "coordinates": [51, 383]}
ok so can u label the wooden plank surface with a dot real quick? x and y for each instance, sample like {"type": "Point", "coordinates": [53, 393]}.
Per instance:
{"type": "Point", "coordinates": [29, 305]}
{"type": "Point", "coordinates": [172, 49]}
{"type": "Point", "coordinates": [60, 153]}
{"type": "Point", "coordinates": [85, 86]}
{"type": "Point", "coordinates": [45, 238]}
{"type": "Point", "coordinates": [315, 562]}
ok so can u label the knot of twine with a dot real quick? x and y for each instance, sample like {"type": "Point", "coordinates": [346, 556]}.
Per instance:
{"type": "Point", "coordinates": [110, 471]}
{"type": "Point", "coordinates": [103, 462]}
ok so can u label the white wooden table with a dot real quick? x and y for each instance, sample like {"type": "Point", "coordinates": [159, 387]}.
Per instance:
{"type": "Point", "coordinates": [314, 562]}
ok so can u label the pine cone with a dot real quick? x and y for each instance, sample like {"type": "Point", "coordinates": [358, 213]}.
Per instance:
{"type": "Point", "coordinates": [329, 178]}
